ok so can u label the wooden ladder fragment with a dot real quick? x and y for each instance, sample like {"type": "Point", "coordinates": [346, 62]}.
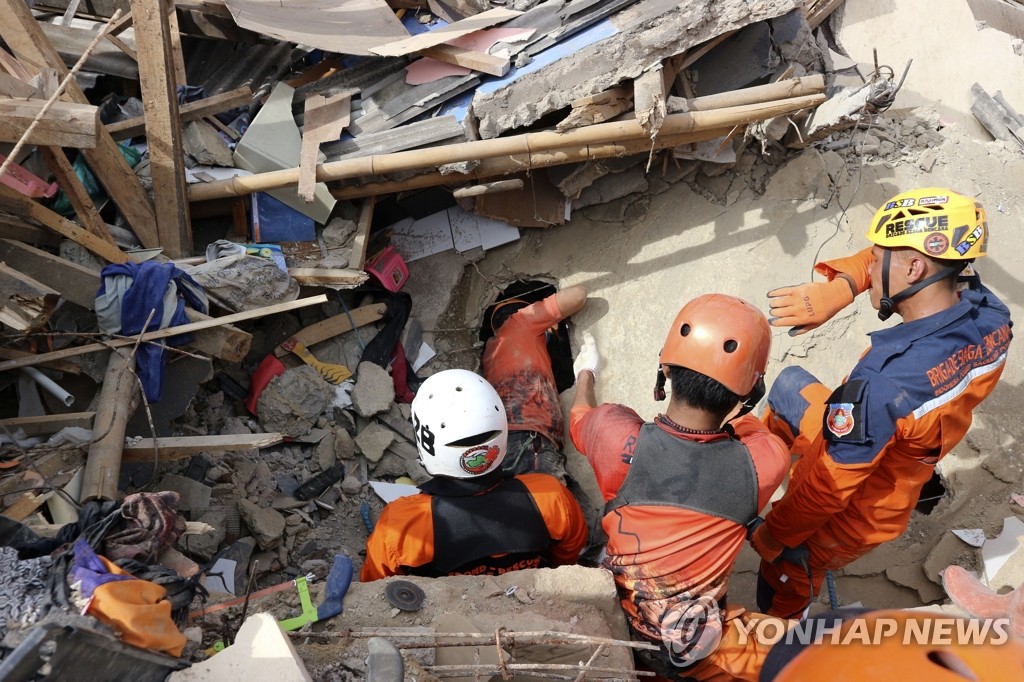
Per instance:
{"type": "Point", "coordinates": [325, 118]}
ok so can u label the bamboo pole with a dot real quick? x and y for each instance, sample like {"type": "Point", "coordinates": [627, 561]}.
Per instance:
{"type": "Point", "coordinates": [515, 164]}
{"type": "Point", "coordinates": [783, 89]}
{"type": "Point", "coordinates": [118, 392]}
{"type": "Point", "coordinates": [526, 143]}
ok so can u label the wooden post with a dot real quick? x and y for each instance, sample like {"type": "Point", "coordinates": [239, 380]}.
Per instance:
{"type": "Point", "coordinates": [163, 128]}
{"type": "Point", "coordinates": [27, 41]}
{"type": "Point", "coordinates": [117, 401]}
{"type": "Point", "coordinates": [358, 258]}
{"type": "Point", "coordinates": [77, 194]}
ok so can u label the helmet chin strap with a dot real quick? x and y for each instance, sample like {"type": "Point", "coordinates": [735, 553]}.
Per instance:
{"type": "Point", "coordinates": [887, 306]}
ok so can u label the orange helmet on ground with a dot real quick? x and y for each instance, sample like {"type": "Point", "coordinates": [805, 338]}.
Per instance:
{"type": "Point", "coordinates": [902, 645]}
{"type": "Point", "coordinates": [722, 337]}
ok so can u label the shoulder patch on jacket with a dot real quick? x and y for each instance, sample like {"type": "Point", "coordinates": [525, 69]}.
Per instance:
{"type": "Point", "coordinates": [845, 414]}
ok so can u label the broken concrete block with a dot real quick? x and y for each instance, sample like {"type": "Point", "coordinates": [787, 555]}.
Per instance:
{"type": "Point", "coordinates": [203, 144]}
{"type": "Point", "coordinates": [612, 52]}
{"type": "Point", "coordinates": [194, 495]}
{"type": "Point", "coordinates": [267, 525]}
{"type": "Point", "coordinates": [390, 466]}
{"type": "Point", "coordinates": [262, 651]}
{"type": "Point", "coordinates": [204, 545]}
{"type": "Point", "coordinates": [374, 391]}
{"type": "Point", "coordinates": [374, 440]}
{"type": "Point", "coordinates": [292, 402]}
{"type": "Point", "coordinates": [338, 233]}
{"type": "Point", "coordinates": [326, 453]}
{"type": "Point", "coordinates": [611, 187]}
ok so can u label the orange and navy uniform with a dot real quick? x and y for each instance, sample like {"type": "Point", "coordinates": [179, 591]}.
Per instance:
{"type": "Point", "coordinates": [482, 526]}
{"type": "Point", "coordinates": [672, 564]}
{"type": "Point", "coordinates": [866, 449]}
{"type": "Point", "coordinates": [517, 364]}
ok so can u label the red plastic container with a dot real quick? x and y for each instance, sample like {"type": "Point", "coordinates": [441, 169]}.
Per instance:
{"type": "Point", "coordinates": [389, 269]}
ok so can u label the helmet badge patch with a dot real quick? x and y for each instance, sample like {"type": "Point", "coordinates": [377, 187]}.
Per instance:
{"type": "Point", "coordinates": [840, 418]}
{"type": "Point", "coordinates": [936, 244]}
{"type": "Point", "coordinates": [478, 459]}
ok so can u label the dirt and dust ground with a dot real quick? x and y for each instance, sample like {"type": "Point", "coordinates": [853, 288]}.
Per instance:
{"type": "Point", "coordinates": [716, 231]}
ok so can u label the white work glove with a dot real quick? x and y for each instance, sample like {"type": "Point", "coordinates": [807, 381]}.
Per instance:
{"type": "Point", "coordinates": [588, 358]}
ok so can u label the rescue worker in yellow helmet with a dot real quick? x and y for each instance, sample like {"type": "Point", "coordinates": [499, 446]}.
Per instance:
{"type": "Point", "coordinates": [867, 448]}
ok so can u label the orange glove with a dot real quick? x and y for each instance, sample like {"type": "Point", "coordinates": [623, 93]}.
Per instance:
{"type": "Point", "coordinates": [808, 306]}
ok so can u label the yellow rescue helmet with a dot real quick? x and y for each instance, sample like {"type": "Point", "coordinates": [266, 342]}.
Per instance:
{"type": "Point", "coordinates": [936, 221]}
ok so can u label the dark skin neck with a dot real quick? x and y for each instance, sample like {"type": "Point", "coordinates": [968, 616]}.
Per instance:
{"type": "Point", "coordinates": [691, 417]}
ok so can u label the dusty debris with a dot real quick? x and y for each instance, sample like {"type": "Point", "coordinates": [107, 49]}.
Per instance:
{"type": "Point", "coordinates": [292, 402]}
{"type": "Point", "coordinates": [374, 390]}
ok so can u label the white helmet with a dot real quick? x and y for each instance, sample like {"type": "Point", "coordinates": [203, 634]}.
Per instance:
{"type": "Point", "coordinates": [460, 424]}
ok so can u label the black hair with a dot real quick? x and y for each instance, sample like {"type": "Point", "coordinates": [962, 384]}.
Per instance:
{"type": "Point", "coordinates": [701, 392]}
{"type": "Point", "coordinates": [501, 315]}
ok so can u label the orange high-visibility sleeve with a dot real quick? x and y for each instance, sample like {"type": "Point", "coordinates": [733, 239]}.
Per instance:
{"type": "Point", "coordinates": [562, 516]}
{"type": "Point", "coordinates": [857, 267]}
{"type": "Point", "coordinates": [402, 538]}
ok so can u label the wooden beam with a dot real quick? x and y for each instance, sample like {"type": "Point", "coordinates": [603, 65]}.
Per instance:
{"type": "Point", "coordinates": [76, 192]}
{"type": "Point", "coordinates": [325, 118]}
{"type": "Point", "coordinates": [193, 111]}
{"type": "Point", "coordinates": [14, 87]}
{"type": "Point", "coordinates": [79, 284]}
{"type": "Point", "coordinates": [163, 128]}
{"type": "Point", "coordinates": [163, 333]}
{"type": "Point", "coordinates": [460, 56]}
{"type": "Point", "coordinates": [19, 230]}
{"type": "Point", "coordinates": [65, 124]}
{"type": "Point", "coordinates": [59, 365]}
{"type": "Point", "coordinates": [118, 398]}
{"type": "Point", "coordinates": [362, 239]}
{"type": "Point", "coordinates": [345, 277]}
{"type": "Point", "coordinates": [24, 303]}
{"type": "Point", "coordinates": [47, 424]}
{"type": "Point", "coordinates": [14, 202]}
{"type": "Point", "coordinates": [335, 326]}
{"type": "Point", "coordinates": [26, 40]}
{"type": "Point", "coordinates": [649, 95]}
{"type": "Point", "coordinates": [186, 446]}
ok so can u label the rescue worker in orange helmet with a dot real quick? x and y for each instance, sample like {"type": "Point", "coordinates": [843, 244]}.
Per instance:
{"type": "Point", "coordinates": [681, 490]}
{"type": "Point", "coordinates": [471, 517]}
{"type": "Point", "coordinates": [854, 645]}
{"type": "Point", "coordinates": [867, 448]}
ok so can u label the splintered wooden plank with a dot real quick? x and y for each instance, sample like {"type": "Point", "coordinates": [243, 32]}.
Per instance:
{"type": "Point", "coordinates": [186, 446]}
{"type": "Point", "coordinates": [79, 284]}
{"type": "Point", "coordinates": [362, 239]}
{"type": "Point", "coordinates": [163, 333]}
{"type": "Point", "coordinates": [47, 424]}
{"type": "Point", "coordinates": [65, 124]}
{"type": "Point", "coordinates": [15, 203]}
{"type": "Point", "coordinates": [336, 325]}
{"type": "Point", "coordinates": [345, 277]}
{"type": "Point", "coordinates": [34, 51]}
{"type": "Point", "coordinates": [460, 56]}
{"type": "Point", "coordinates": [59, 365]}
{"type": "Point", "coordinates": [422, 41]}
{"type": "Point", "coordinates": [24, 303]}
{"type": "Point", "coordinates": [325, 118]}
{"type": "Point", "coordinates": [193, 111]}
{"type": "Point", "coordinates": [163, 127]}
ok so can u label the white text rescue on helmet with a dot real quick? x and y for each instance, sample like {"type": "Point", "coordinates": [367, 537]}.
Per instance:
{"type": "Point", "coordinates": [914, 225]}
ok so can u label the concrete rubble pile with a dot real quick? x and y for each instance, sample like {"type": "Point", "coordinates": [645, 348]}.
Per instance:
{"type": "Point", "coordinates": [211, 318]}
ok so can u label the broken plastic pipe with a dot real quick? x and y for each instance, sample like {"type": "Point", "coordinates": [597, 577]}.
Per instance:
{"type": "Point", "coordinates": [50, 386]}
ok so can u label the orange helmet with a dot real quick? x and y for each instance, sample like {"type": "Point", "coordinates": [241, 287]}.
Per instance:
{"type": "Point", "coordinates": [933, 648]}
{"type": "Point", "coordinates": [722, 337]}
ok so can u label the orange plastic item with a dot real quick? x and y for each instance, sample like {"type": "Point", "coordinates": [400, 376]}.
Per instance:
{"type": "Point", "coordinates": [722, 337]}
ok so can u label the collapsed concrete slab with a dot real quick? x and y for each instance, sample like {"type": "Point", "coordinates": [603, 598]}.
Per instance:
{"type": "Point", "coordinates": [609, 52]}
